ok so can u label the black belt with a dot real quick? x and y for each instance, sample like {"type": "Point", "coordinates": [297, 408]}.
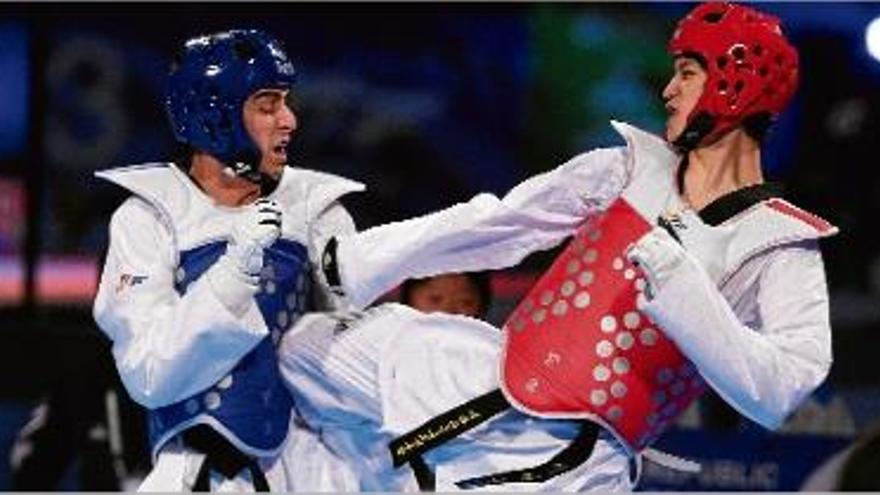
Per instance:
{"type": "Point", "coordinates": [221, 456]}
{"type": "Point", "coordinates": [572, 456]}
{"type": "Point", "coordinates": [409, 448]}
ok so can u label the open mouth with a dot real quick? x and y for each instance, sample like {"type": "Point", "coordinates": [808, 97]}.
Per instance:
{"type": "Point", "coordinates": [280, 151]}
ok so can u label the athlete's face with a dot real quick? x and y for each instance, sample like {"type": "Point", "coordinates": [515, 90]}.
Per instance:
{"type": "Point", "coordinates": [448, 293]}
{"type": "Point", "coordinates": [682, 93]}
{"type": "Point", "coordinates": [270, 123]}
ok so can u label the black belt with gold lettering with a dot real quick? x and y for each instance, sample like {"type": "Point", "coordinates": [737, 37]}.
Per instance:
{"type": "Point", "coordinates": [410, 447]}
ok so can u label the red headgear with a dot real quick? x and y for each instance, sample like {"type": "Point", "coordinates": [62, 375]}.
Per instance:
{"type": "Point", "coordinates": [751, 67]}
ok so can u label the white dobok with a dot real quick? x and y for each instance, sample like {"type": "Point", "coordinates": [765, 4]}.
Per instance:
{"type": "Point", "coordinates": [747, 304]}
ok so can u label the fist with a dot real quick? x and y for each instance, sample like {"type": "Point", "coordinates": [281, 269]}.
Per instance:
{"type": "Point", "coordinates": [658, 254]}
{"type": "Point", "coordinates": [255, 229]}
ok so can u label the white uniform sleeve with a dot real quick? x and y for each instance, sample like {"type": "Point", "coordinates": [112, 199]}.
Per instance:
{"type": "Point", "coordinates": [763, 372]}
{"type": "Point", "coordinates": [484, 233]}
{"type": "Point", "coordinates": [167, 347]}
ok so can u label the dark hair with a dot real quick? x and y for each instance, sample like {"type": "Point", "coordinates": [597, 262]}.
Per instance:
{"type": "Point", "coordinates": [696, 56]}
{"type": "Point", "coordinates": [478, 280]}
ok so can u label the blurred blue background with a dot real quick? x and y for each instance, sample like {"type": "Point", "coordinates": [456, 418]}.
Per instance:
{"type": "Point", "coordinates": [427, 104]}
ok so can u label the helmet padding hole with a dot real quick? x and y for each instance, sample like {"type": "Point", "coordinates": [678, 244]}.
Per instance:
{"type": "Point", "coordinates": [244, 50]}
{"type": "Point", "coordinates": [713, 17]}
{"type": "Point", "coordinates": [738, 52]}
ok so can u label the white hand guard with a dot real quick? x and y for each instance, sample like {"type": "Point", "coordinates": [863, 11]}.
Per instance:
{"type": "Point", "coordinates": [255, 230]}
{"type": "Point", "coordinates": [235, 276]}
{"type": "Point", "coordinates": [658, 254]}
{"type": "Point", "coordinates": [708, 245]}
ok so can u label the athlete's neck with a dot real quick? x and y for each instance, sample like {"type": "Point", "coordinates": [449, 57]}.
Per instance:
{"type": "Point", "coordinates": [224, 188]}
{"type": "Point", "coordinates": [719, 168]}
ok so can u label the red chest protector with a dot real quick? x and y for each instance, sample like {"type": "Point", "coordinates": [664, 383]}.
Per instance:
{"type": "Point", "coordinates": [578, 347]}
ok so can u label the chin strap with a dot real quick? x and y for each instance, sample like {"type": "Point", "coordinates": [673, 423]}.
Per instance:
{"type": "Point", "coordinates": [267, 184]}
{"type": "Point", "coordinates": [248, 172]}
{"type": "Point", "coordinates": [697, 129]}
{"type": "Point", "coordinates": [245, 171]}
{"type": "Point", "coordinates": [245, 164]}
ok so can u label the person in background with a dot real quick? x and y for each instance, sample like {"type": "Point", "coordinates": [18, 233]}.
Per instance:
{"type": "Point", "coordinates": [467, 293]}
{"type": "Point", "coordinates": [85, 422]}
{"type": "Point", "coordinates": [853, 469]}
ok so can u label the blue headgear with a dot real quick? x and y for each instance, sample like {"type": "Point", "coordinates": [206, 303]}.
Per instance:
{"type": "Point", "coordinates": [208, 86]}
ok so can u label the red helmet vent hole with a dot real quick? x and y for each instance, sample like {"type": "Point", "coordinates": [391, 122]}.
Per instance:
{"type": "Point", "coordinates": [722, 62]}
{"type": "Point", "coordinates": [713, 17]}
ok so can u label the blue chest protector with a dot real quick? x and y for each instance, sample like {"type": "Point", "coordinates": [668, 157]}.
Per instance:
{"type": "Point", "coordinates": [250, 406]}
